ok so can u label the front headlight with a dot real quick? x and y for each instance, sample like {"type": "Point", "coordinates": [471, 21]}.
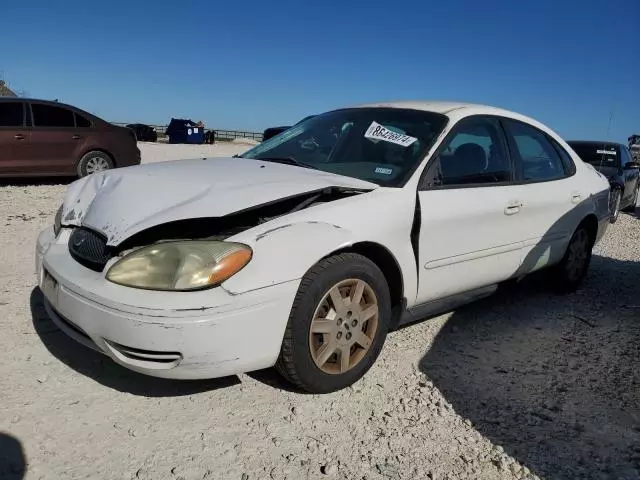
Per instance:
{"type": "Point", "coordinates": [180, 265]}
{"type": "Point", "coordinates": [57, 222]}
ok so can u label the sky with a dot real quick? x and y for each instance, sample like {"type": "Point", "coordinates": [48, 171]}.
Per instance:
{"type": "Point", "coordinates": [251, 64]}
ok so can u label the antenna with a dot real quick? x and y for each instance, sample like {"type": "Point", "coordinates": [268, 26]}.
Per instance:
{"type": "Point", "coordinates": [611, 115]}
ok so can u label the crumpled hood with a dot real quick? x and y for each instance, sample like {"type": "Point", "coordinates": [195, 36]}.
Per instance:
{"type": "Point", "coordinates": [122, 202]}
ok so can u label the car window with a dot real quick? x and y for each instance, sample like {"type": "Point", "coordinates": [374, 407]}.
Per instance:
{"type": "Point", "coordinates": [625, 156]}
{"type": "Point", "coordinates": [11, 114]}
{"type": "Point", "coordinates": [567, 161]}
{"type": "Point", "coordinates": [379, 145]}
{"type": "Point", "coordinates": [596, 154]}
{"type": "Point", "coordinates": [51, 116]}
{"type": "Point", "coordinates": [539, 160]}
{"type": "Point", "coordinates": [81, 121]}
{"type": "Point", "coordinates": [474, 154]}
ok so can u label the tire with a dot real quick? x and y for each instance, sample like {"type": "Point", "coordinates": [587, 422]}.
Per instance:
{"type": "Point", "coordinates": [614, 205]}
{"type": "Point", "coordinates": [569, 274]}
{"type": "Point", "coordinates": [632, 206]}
{"type": "Point", "coordinates": [313, 361]}
{"type": "Point", "coordinates": [92, 162]}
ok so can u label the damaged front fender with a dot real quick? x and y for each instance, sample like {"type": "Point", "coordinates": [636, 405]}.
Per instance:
{"type": "Point", "coordinates": [286, 252]}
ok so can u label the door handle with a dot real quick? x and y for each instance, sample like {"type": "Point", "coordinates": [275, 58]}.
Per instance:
{"type": "Point", "coordinates": [576, 197]}
{"type": "Point", "coordinates": [19, 136]}
{"type": "Point", "coordinates": [513, 208]}
{"type": "Point", "coordinates": [76, 137]}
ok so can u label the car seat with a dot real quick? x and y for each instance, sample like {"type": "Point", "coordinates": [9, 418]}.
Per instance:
{"type": "Point", "coordinates": [467, 160]}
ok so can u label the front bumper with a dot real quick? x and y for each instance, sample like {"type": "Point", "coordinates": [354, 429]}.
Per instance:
{"type": "Point", "coordinates": [185, 335]}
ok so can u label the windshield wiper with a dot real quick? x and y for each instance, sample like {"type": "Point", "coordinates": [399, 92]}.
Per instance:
{"type": "Point", "coordinates": [286, 161]}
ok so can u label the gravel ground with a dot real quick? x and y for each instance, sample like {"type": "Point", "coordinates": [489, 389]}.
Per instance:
{"type": "Point", "coordinates": [521, 385]}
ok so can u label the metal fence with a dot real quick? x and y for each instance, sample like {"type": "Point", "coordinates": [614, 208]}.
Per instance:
{"type": "Point", "coordinates": [220, 135]}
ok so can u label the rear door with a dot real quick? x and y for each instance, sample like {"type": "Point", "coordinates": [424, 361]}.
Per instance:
{"type": "Point", "coordinates": [551, 193]}
{"type": "Point", "coordinates": [54, 139]}
{"type": "Point", "coordinates": [470, 233]}
{"type": "Point", "coordinates": [630, 176]}
{"type": "Point", "coordinates": [14, 138]}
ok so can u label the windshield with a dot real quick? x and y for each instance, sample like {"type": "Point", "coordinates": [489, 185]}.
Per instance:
{"type": "Point", "coordinates": [597, 154]}
{"type": "Point", "coordinates": [379, 145]}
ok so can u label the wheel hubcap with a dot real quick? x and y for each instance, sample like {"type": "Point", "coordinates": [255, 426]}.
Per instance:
{"type": "Point", "coordinates": [578, 255]}
{"type": "Point", "coordinates": [97, 164]}
{"type": "Point", "coordinates": [343, 326]}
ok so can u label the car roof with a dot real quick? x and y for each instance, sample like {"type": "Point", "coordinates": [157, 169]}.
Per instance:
{"type": "Point", "coordinates": [430, 106]}
{"type": "Point", "coordinates": [53, 102]}
{"type": "Point", "coordinates": [594, 142]}
{"type": "Point", "coordinates": [455, 110]}
{"type": "Point", "coordinates": [38, 100]}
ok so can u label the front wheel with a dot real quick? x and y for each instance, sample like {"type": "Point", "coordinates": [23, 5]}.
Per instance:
{"type": "Point", "coordinates": [338, 324]}
{"type": "Point", "coordinates": [614, 207]}
{"type": "Point", "coordinates": [93, 162]}
{"type": "Point", "coordinates": [632, 206]}
{"type": "Point", "coordinates": [569, 274]}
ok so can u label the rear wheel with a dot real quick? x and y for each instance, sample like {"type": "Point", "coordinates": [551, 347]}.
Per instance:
{"type": "Point", "coordinates": [568, 275]}
{"type": "Point", "coordinates": [338, 324]}
{"type": "Point", "coordinates": [93, 162]}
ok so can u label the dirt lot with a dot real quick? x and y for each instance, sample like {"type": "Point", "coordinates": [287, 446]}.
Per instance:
{"type": "Point", "coordinates": [521, 385]}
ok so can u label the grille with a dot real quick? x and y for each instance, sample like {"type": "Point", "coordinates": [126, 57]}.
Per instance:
{"type": "Point", "coordinates": [90, 249]}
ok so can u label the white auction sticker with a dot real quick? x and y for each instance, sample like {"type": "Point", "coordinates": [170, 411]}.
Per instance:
{"type": "Point", "coordinates": [377, 132]}
{"type": "Point", "coordinates": [607, 152]}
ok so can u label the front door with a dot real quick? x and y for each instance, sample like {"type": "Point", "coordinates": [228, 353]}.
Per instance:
{"type": "Point", "coordinates": [630, 176]}
{"type": "Point", "coordinates": [14, 138]}
{"type": "Point", "coordinates": [470, 213]}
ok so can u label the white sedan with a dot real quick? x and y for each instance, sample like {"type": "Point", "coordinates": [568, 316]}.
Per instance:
{"type": "Point", "coordinates": [306, 250]}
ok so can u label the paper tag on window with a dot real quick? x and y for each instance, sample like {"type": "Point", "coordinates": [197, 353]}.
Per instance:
{"type": "Point", "coordinates": [607, 152]}
{"type": "Point", "coordinates": [377, 132]}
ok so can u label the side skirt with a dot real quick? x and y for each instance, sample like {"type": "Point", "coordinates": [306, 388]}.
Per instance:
{"type": "Point", "coordinates": [442, 305]}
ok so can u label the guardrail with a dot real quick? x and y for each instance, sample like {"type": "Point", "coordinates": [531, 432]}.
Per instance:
{"type": "Point", "coordinates": [221, 135]}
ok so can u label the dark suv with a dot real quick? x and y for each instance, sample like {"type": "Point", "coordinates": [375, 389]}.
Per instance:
{"type": "Point", "coordinates": [144, 133]}
{"type": "Point", "coordinates": [615, 162]}
{"type": "Point", "coordinates": [43, 138]}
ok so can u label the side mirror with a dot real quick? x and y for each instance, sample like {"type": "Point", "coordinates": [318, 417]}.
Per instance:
{"type": "Point", "coordinates": [631, 165]}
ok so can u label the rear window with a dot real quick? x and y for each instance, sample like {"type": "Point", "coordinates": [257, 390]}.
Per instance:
{"type": "Point", "coordinates": [11, 114]}
{"type": "Point", "coordinates": [597, 154]}
{"type": "Point", "coordinates": [51, 116]}
{"type": "Point", "coordinates": [82, 122]}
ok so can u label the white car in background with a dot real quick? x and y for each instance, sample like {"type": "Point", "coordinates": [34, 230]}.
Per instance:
{"type": "Point", "coordinates": [307, 249]}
